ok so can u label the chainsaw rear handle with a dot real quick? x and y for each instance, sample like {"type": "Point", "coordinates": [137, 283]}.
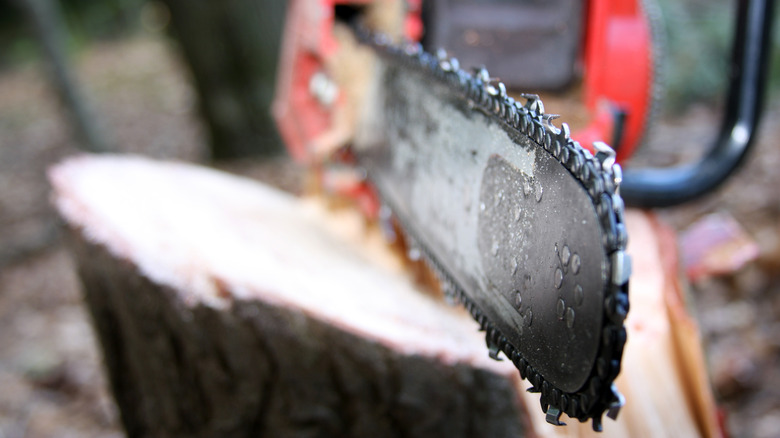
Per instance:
{"type": "Point", "coordinates": [749, 71]}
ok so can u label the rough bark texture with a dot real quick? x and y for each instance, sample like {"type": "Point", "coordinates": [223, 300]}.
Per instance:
{"type": "Point", "coordinates": [231, 48]}
{"type": "Point", "coordinates": [182, 365]}
{"type": "Point", "coordinates": [255, 369]}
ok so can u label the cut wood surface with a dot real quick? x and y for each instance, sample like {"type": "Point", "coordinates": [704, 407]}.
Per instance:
{"type": "Point", "coordinates": [226, 308]}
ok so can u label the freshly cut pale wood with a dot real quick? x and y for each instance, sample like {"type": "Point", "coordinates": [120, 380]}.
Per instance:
{"type": "Point", "coordinates": [225, 308]}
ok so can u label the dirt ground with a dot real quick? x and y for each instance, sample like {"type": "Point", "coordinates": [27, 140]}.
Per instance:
{"type": "Point", "coordinates": [51, 381]}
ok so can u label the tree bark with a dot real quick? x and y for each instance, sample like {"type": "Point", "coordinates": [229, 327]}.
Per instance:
{"type": "Point", "coordinates": [231, 48]}
{"type": "Point", "coordinates": [308, 338]}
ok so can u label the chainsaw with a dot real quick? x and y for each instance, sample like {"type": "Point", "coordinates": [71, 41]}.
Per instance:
{"type": "Point", "coordinates": [521, 219]}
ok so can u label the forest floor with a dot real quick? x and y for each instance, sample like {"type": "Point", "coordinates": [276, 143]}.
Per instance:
{"type": "Point", "coordinates": [51, 378]}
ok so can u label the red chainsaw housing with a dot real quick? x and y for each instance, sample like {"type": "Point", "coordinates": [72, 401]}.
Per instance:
{"type": "Point", "coordinates": [617, 61]}
{"type": "Point", "coordinates": [307, 45]}
{"type": "Point", "coordinates": [618, 73]}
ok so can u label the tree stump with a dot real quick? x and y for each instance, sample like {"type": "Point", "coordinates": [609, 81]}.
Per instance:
{"type": "Point", "coordinates": [226, 308]}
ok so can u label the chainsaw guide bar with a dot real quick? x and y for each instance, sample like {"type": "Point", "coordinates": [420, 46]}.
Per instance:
{"type": "Point", "coordinates": [521, 224]}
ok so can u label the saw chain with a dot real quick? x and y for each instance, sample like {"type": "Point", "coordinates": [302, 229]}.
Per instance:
{"type": "Point", "coordinates": [525, 122]}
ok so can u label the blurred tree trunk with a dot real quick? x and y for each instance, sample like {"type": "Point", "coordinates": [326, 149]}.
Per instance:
{"type": "Point", "coordinates": [231, 47]}
{"type": "Point", "coordinates": [45, 17]}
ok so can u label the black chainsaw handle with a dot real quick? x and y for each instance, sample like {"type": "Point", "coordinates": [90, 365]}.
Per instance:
{"type": "Point", "coordinates": [749, 71]}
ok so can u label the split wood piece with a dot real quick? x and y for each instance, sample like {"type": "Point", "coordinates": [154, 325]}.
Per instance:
{"type": "Point", "coordinates": [227, 308]}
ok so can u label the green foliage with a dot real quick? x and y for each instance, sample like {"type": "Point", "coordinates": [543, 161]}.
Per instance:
{"type": "Point", "coordinates": [698, 46]}
{"type": "Point", "coordinates": [19, 50]}
{"type": "Point", "coordinates": [90, 19]}
{"type": "Point", "coordinates": [17, 46]}
{"type": "Point", "coordinates": [698, 37]}
{"type": "Point", "coordinates": [86, 21]}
